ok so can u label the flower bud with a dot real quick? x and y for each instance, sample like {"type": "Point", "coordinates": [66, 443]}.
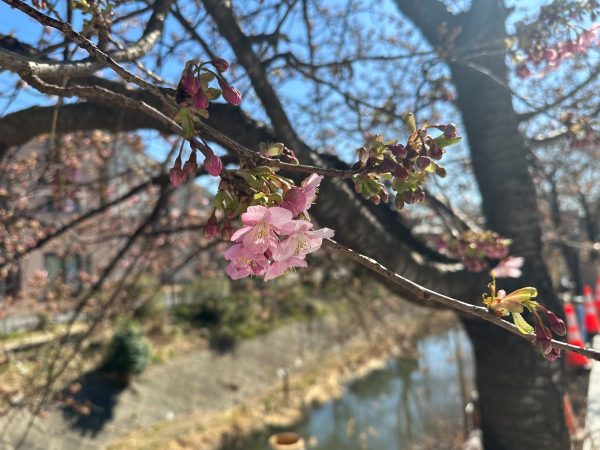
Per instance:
{"type": "Point", "coordinates": [213, 165]}
{"type": "Point", "coordinates": [176, 175]}
{"type": "Point", "coordinates": [543, 339]}
{"type": "Point", "coordinates": [440, 171]}
{"type": "Point", "coordinates": [556, 323]}
{"type": "Point", "coordinates": [227, 230]}
{"type": "Point", "coordinates": [376, 199]}
{"type": "Point", "coordinates": [553, 354]}
{"type": "Point", "coordinates": [435, 152]}
{"type": "Point", "coordinates": [450, 131]}
{"type": "Point", "coordinates": [210, 229]}
{"type": "Point", "coordinates": [220, 64]}
{"type": "Point", "coordinates": [398, 150]}
{"type": "Point", "coordinates": [191, 165]}
{"type": "Point", "coordinates": [409, 197]}
{"type": "Point", "coordinates": [401, 173]}
{"type": "Point", "coordinates": [230, 94]}
{"type": "Point", "coordinates": [289, 156]}
{"type": "Point", "coordinates": [423, 162]}
{"type": "Point", "coordinates": [200, 99]}
{"type": "Point", "coordinates": [399, 202]}
{"type": "Point", "coordinates": [363, 155]}
{"type": "Point", "coordinates": [384, 196]}
{"type": "Point", "coordinates": [189, 82]}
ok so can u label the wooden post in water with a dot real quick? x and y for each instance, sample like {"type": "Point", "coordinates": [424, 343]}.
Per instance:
{"type": "Point", "coordinates": [286, 441]}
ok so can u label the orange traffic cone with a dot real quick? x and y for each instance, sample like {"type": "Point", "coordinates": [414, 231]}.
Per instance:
{"type": "Point", "coordinates": [574, 338]}
{"type": "Point", "coordinates": [597, 300]}
{"type": "Point", "coordinates": [570, 419]}
{"type": "Point", "coordinates": [592, 324]}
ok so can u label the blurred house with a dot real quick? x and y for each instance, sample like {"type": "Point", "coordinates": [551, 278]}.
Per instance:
{"type": "Point", "coordinates": [82, 251]}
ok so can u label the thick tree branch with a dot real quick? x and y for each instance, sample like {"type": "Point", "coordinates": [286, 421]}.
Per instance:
{"type": "Point", "coordinates": [18, 56]}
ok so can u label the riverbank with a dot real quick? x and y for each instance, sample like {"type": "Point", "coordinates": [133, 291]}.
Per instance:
{"type": "Point", "coordinates": [331, 353]}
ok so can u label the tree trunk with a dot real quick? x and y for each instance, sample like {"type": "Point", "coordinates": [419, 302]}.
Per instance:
{"type": "Point", "coordinates": [520, 393]}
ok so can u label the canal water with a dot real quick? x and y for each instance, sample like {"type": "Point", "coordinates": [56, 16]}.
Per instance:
{"type": "Point", "coordinates": [411, 403]}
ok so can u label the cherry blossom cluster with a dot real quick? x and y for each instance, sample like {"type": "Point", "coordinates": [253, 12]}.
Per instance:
{"type": "Point", "coordinates": [404, 167]}
{"type": "Point", "coordinates": [502, 304]}
{"type": "Point", "coordinates": [535, 44]}
{"type": "Point", "coordinates": [475, 249]}
{"type": "Point", "coordinates": [276, 239]}
{"type": "Point", "coordinates": [549, 57]}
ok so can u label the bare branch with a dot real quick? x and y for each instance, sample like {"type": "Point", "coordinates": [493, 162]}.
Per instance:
{"type": "Point", "coordinates": [427, 295]}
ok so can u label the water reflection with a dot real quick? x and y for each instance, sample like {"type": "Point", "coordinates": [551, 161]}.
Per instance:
{"type": "Point", "coordinates": [398, 406]}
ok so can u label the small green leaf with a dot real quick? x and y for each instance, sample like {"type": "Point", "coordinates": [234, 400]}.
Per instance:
{"type": "Point", "coordinates": [521, 324]}
{"type": "Point", "coordinates": [444, 142]}
{"type": "Point", "coordinates": [205, 78]}
{"type": "Point", "coordinates": [409, 120]}
{"type": "Point", "coordinates": [213, 93]}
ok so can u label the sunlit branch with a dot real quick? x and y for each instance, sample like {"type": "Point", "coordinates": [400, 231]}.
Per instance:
{"type": "Point", "coordinates": [424, 294]}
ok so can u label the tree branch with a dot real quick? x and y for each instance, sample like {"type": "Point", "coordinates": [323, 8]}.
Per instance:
{"type": "Point", "coordinates": [427, 295]}
{"type": "Point", "coordinates": [18, 56]}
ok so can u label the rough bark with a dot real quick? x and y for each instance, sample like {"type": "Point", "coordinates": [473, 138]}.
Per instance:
{"type": "Point", "coordinates": [521, 394]}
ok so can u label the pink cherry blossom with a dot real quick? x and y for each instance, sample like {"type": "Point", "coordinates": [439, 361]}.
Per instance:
{"type": "Point", "coordinates": [244, 262]}
{"type": "Point", "coordinates": [302, 241]}
{"type": "Point", "coordinates": [300, 199]}
{"type": "Point", "coordinates": [260, 225]}
{"type": "Point", "coordinates": [278, 268]}
{"type": "Point", "coordinates": [509, 268]}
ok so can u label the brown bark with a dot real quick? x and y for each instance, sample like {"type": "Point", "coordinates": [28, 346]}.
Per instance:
{"type": "Point", "coordinates": [521, 394]}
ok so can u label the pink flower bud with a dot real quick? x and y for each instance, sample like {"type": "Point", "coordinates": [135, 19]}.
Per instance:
{"type": "Point", "coordinates": [226, 231]}
{"type": "Point", "coordinates": [423, 162]}
{"type": "Point", "coordinates": [401, 173]}
{"type": "Point", "coordinates": [200, 99]}
{"type": "Point", "coordinates": [191, 165]}
{"type": "Point", "coordinates": [398, 150]}
{"type": "Point", "coordinates": [220, 64]}
{"type": "Point", "coordinates": [450, 131]}
{"type": "Point", "coordinates": [176, 175]}
{"type": "Point", "coordinates": [230, 94]}
{"type": "Point", "coordinates": [189, 82]}
{"type": "Point", "coordinates": [213, 165]}
{"type": "Point", "coordinates": [556, 323]}
{"type": "Point", "coordinates": [543, 339]}
{"type": "Point", "coordinates": [210, 229]}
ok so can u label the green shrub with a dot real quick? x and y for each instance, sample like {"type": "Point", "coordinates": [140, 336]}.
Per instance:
{"type": "Point", "coordinates": [129, 352]}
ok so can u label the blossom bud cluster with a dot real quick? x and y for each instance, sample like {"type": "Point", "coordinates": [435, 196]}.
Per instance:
{"type": "Point", "coordinates": [476, 249]}
{"type": "Point", "coordinates": [502, 304]}
{"type": "Point", "coordinates": [178, 175]}
{"type": "Point", "coordinates": [194, 94]}
{"type": "Point", "coordinates": [404, 166]}
{"type": "Point", "coordinates": [541, 50]}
